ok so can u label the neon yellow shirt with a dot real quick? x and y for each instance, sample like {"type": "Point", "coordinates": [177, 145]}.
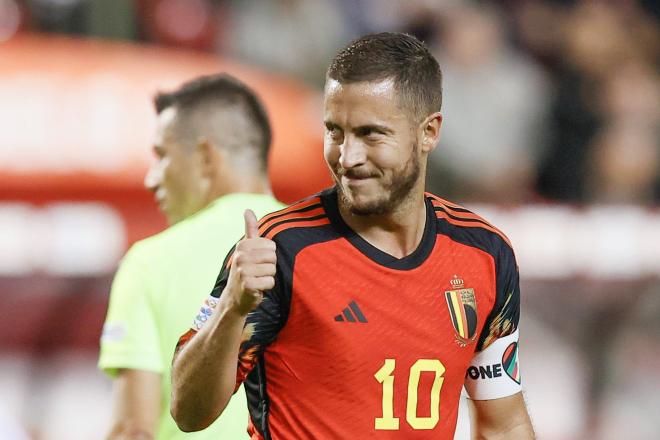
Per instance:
{"type": "Point", "coordinates": [156, 294]}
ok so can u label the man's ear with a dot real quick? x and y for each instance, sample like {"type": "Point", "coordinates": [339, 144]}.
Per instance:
{"type": "Point", "coordinates": [430, 129]}
{"type": "Point", "coordinates": [209, 156]}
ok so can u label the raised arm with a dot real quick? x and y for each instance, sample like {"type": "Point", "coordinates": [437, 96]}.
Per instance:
{"type": "Point", "coordinates": [204, 370]}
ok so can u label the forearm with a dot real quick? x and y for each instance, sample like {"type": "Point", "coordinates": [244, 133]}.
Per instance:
{"type": "Point", "coordinates": [501, 419]}
{"type": "Point", "coordinates": [522, 430]}
{"type": "Point", "coordinates": [136, 405]}
{"type": "Point", "coordinates": [204, 371]}
{"type": "Point", "coordinates": [129, 433]}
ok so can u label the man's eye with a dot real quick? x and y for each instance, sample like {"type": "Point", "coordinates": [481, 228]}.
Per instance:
{"type": "Point", "coordinates": [334, 132]}
{"type": "Point", "coordinates": [370, 133]}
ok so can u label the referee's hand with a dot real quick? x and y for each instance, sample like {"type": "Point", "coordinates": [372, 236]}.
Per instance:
{"type": "Point", "coordinates": [252, 268]}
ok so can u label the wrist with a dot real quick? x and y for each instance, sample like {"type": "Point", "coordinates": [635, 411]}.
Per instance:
{"type": "Point", "coordinates": [230, 304]}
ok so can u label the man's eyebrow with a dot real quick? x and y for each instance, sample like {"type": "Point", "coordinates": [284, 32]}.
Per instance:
{"type": "Point", "coordinates": [373, 127]}
{"type": "Point", "coordinates": [330, 124]}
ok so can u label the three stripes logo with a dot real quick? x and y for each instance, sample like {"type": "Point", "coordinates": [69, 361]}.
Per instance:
{"type": "Point", "coordinates": [352, 313]}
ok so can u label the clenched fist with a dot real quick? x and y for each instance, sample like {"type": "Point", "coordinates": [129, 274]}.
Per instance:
{"type": "Point", "coordinates": [252, 268]}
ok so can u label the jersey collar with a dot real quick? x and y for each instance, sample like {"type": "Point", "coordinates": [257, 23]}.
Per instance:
{"type": "Point", "coordinates": [411, 261]}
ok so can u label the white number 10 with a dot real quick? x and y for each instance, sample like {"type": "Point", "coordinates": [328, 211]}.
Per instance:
{"type": "Point", "coordinates": [385, 376]}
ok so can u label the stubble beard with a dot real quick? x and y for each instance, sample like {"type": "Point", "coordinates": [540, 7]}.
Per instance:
{"type": "Point", "coordinates": [399, 189]}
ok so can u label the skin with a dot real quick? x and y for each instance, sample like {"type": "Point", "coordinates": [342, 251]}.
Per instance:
{"type": "Point", "coordinates": [373, 148]}
{"type": "Point", "coordinates": [136, 405]}
{"type": "Point", "coordinates": [184, 178]}
{"type": "Point", "coordinates": [189, 173]}
{"type": "Point", "coordinates": [198, 398]}
{"type": "Point", "coordinates": [500, 419]}
{"type": "Point", "coordinates": [177, 176]}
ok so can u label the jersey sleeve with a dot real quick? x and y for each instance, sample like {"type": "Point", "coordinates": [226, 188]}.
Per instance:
{"type": "Point", "coordinates": [261, 326]}
{"type": "Point", "coordinates": [130, 334]}
{"type": "Point", "coordinates": [495, 371]}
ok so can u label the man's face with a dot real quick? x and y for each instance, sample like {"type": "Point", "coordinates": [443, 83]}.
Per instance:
{"type": "Point", "coordinates": [175, 177]}
{"type": "Point", "coordinates": [370, 146]}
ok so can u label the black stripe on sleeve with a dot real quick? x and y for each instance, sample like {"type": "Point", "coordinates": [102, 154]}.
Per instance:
{"type": "Point", "coordinates": [292, 220]}
{"type": "Point", "coordinates": [455, 217]}
{"type": "Point", "coordinates": [305, 209]}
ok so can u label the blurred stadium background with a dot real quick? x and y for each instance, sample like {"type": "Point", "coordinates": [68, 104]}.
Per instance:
{"type": "Point", "coordinates": [552, 112]}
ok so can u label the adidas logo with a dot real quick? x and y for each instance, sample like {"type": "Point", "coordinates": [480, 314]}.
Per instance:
{"type": "Point", "coordinates": [352, 313]}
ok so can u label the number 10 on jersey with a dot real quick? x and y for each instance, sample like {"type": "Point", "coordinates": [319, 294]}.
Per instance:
{"type": "Point", "coordinates": [385, 376]}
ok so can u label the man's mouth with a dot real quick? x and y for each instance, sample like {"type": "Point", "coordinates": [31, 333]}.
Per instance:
{"type": "Point", "coordinates": [355, 175]}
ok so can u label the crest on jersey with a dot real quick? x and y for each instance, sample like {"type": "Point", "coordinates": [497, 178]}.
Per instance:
{"type": "Point", "coordinates": [462, 306]}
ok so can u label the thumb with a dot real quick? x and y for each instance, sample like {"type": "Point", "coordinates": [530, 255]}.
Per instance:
{"type": "Point", "coordinates": [251, 229]}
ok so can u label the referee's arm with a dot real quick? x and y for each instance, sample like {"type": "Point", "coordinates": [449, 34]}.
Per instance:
{"type": "Point", "coordinates": [136, 405]}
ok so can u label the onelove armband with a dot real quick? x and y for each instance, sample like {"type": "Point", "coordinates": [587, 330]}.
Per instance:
{"type": "Point", "coordinates": [495, 371]}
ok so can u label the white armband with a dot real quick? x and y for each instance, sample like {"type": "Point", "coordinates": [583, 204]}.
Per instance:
{"type": "Point", "coordinates": [495, 371]}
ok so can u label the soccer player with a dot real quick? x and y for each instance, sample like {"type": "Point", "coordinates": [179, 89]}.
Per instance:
{"type": "Point", "coordinates": [362, 311]}
{"type": "Point", "coordinates": [212, 143]}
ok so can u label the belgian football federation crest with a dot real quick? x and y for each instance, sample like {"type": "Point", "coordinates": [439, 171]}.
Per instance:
{"type": "Point", "coordinates": [462, 306]}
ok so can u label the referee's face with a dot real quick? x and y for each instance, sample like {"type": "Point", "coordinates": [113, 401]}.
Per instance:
{"type": "Point", "coordinates": [176, 176]}
{"type": "Point", "coordinates": [370, 146]}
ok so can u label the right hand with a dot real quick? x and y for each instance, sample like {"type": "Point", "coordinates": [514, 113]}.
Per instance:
{"type": "Point", "coordinates": [252, 268]}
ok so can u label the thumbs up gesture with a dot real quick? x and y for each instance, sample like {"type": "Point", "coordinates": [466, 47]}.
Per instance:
{"type": "Point", "coordinates": [252, 268]}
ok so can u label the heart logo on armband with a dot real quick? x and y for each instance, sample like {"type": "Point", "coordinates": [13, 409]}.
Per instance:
{"type": "Point", "coordinates": [510, 362]}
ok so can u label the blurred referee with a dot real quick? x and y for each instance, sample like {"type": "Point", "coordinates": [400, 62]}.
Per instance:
{"type": "Point", "coordinates": [212, 142]}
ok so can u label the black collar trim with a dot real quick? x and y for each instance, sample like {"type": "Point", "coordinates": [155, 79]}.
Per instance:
{"type": "Point", "coordinates": [409, 262]}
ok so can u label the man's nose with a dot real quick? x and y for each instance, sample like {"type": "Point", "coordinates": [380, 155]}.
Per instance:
{"type": "Point", "coordinates": [353, 153]}
{"type": "Point", "coordinates": [153, 178]}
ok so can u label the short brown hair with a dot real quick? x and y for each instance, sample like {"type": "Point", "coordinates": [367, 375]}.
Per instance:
{"type": "Point", "coordinates": [403, 58]}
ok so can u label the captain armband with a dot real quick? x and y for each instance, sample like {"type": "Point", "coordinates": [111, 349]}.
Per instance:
{"type": "Point", "coordinates": [495, 371]}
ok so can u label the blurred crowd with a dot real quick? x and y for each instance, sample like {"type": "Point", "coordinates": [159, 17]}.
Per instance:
{"type": "Point", "coordinates": [544, 99]}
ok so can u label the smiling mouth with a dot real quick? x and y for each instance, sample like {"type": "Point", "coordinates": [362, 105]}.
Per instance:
{"type": "Point", "coordinates": [356, 181]}
{"type": "Point", "coordinates": [352, 175]}
{"type": "Point", "coordinates": [358, 177]}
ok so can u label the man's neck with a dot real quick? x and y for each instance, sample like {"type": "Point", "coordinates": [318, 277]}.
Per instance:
{"type": "Point", "coordinates": [245, 185]}
{"type": "Point", "coordinates": [397, 233]}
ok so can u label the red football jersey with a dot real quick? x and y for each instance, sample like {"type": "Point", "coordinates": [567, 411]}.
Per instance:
{"type": "Point", "coordinates": [355, 343]}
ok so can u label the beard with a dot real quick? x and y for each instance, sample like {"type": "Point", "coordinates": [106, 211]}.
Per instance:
{"type": "Point", "coordinates": [392, 194]}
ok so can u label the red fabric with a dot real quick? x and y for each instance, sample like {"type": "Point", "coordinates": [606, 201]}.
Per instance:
{"type": "Point", "coordinates": [320, 372]}
{"type": "Point", "coordinates": [254, 434]}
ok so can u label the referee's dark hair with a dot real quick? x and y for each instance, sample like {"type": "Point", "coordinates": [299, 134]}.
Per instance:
{"type": "Point", "coordinates": [199, 101]}
{"type": "Point", "coordinates": [401, 57]}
